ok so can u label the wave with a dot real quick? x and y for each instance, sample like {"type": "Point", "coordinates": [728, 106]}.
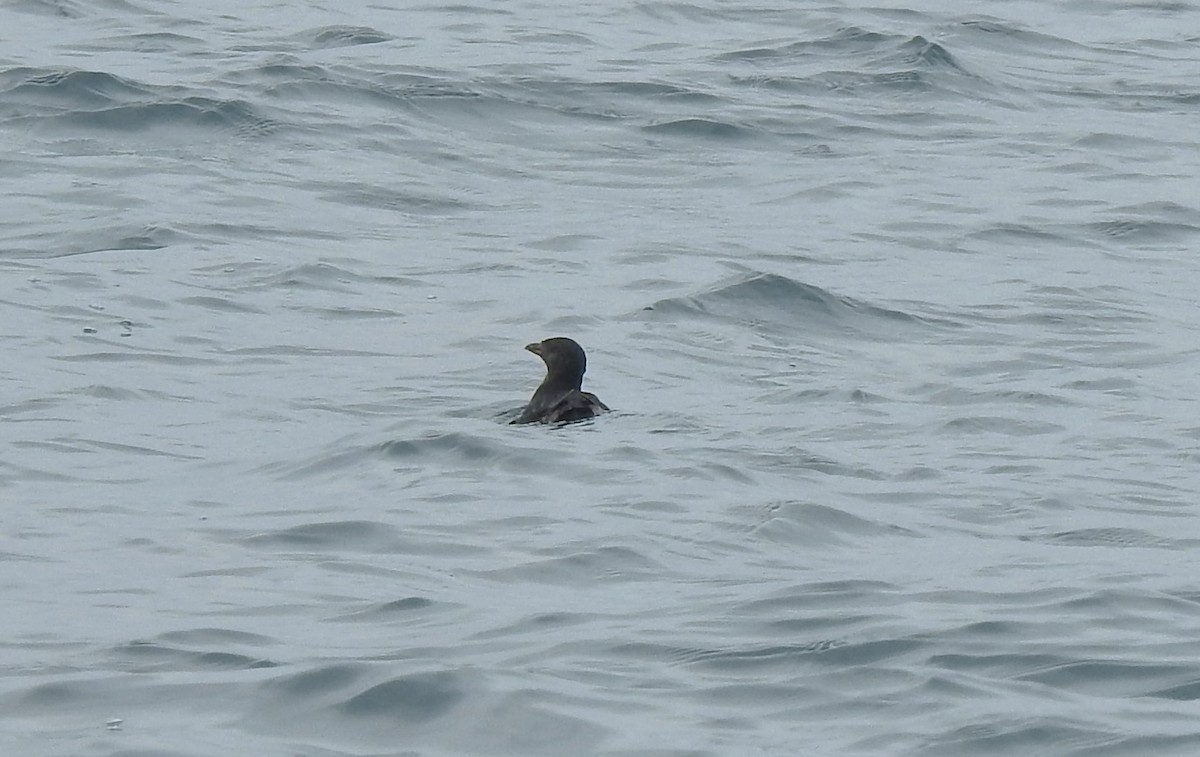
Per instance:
{"type": "Point", "coordinates": [345, 36]}
{"type": "Point", "coordinates": [776, 303]}
{"type": "Point", "coordinates": [96, 101]}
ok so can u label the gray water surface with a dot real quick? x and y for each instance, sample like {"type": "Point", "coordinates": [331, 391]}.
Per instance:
{"type": "Point", "coordinates": [896, 309]}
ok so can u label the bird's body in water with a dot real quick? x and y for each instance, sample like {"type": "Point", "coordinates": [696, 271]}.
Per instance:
{"type": "Point", "coordinates": [560, 398]}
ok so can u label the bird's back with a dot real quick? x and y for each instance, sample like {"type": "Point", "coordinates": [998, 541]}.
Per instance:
{"type": "Point", "coordinates": [571, 405]}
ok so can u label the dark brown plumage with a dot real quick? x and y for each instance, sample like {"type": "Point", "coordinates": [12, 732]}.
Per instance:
{"type": "Point", "coordinates": [560, 398]}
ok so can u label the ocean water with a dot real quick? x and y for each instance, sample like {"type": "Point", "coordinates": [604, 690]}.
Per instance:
{"type": "Point", "coordinates": [895, 307]}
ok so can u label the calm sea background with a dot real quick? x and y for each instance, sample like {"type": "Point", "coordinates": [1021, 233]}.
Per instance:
{"type": "Point", "coordinates": [896, 308]}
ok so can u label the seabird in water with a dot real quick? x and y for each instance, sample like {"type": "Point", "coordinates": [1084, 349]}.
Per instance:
{"type": "Point", "coordinates": [560, 398]}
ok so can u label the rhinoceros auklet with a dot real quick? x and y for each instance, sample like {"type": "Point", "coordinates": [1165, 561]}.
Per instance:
{"type": "Point", "coordinates": [559, 399]}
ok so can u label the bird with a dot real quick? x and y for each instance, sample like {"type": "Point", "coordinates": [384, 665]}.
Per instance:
{"type": "Point", "coordinates": [560, 398]}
